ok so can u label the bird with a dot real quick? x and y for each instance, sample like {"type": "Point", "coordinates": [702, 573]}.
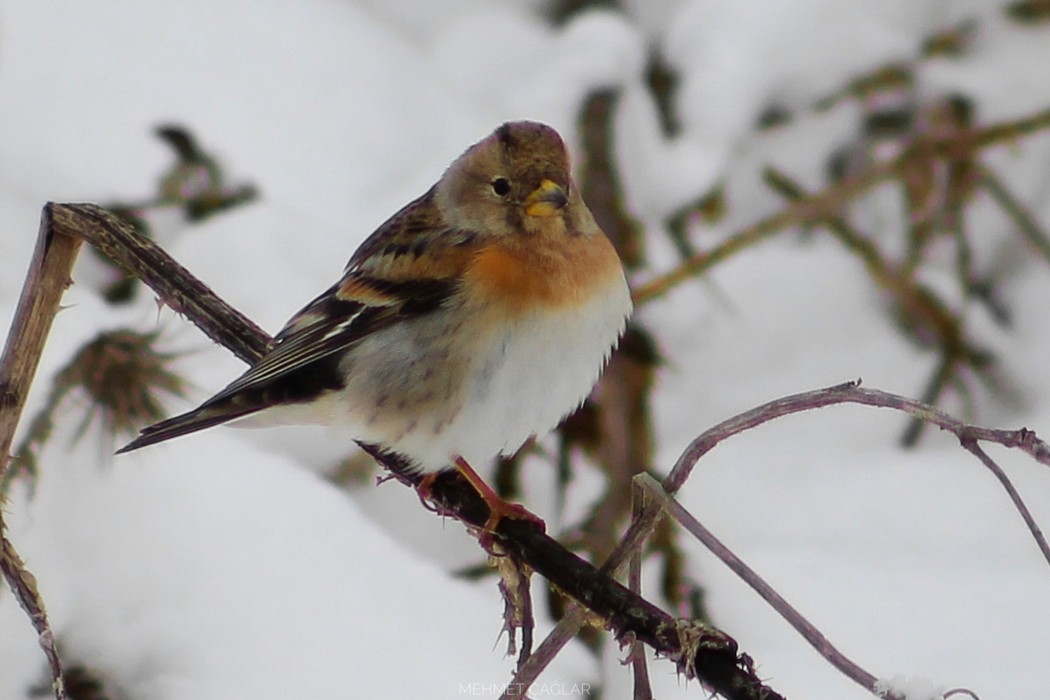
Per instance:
{"type": "Point", "coordinates": [476, 317]}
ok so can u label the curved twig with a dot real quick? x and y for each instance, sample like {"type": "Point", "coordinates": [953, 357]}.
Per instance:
{"type": "Point", "coordinates": [851, 392]}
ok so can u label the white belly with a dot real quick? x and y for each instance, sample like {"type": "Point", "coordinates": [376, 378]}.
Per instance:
{"type": "Point", "coordinates": [524, 382]}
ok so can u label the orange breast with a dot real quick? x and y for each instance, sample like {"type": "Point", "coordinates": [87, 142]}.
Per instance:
{"type": "Point", "coordinates": [556, 271]}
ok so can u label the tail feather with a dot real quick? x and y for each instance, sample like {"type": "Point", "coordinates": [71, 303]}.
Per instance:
{"type": "Point", "coordinates": [199, 419]}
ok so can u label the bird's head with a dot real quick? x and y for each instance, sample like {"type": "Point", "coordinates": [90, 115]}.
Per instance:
{"type": "Point", "coordinates": [517, 180]}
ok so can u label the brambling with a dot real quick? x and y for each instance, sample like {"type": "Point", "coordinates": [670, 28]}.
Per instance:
{"type": "Point", "coordinates": [477, 316]}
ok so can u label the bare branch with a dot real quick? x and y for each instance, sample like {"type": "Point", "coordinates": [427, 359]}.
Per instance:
{"type": "Point", "coordinates": [971, 444]}
{"type": "Point", "coordinates": [697, 650]}
{"type": "Point", "coordinates": [849, 392]}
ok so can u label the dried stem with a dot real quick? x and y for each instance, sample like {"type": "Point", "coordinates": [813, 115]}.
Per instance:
{"type": "Point", "coordinates": [1026, 223]}
{"type": "Point", "coordinates": [927, 317]}
{"type": "Point", "coordinates": [970, 443]}
{"type": "Point", "coordinates": [820, 205]}
{"type": "Point", "coordinates": [574, 619]}
{"type": "Point", "coordinates": [47, 279]}
{"type": "Point", "coordinates": [849, 392]}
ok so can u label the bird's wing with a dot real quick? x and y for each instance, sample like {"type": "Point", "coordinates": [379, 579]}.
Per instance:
{"type": "Point", "coordinates": [348, 312]}
{"type": "Point", "coordinates": [407, 268]}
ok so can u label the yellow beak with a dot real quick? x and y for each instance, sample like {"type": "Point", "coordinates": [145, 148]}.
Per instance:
{"type": "Point", "coordinates": [547, 200]}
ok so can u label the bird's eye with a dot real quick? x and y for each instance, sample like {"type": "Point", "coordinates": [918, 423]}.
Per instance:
{"type": "Point", "coordinates": [500, 186]}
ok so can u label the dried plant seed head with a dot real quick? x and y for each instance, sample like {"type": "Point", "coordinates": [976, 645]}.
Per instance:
{"type": "Point", "coordinates": [124, 376]}
{"type": "Point", "coordinates": [121, 375]}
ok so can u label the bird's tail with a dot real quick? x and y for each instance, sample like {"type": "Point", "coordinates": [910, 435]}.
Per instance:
{"type": "Point", "coordinates": [198, 419]}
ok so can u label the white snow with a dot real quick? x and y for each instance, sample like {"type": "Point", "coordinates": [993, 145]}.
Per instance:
{"type": "Point", "coordinates": [224, 566]}
{"type": "Point", "coordinates": [910, 688]}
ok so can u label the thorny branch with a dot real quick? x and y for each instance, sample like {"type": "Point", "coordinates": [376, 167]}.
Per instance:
{"type": "Point", "coordinates": [48, 276]}
{"type": "Point", "coordinates": [187, 295]}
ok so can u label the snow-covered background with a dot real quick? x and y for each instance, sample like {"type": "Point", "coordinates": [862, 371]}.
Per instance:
{"type": "Point", "coordinates": [226, 566]}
